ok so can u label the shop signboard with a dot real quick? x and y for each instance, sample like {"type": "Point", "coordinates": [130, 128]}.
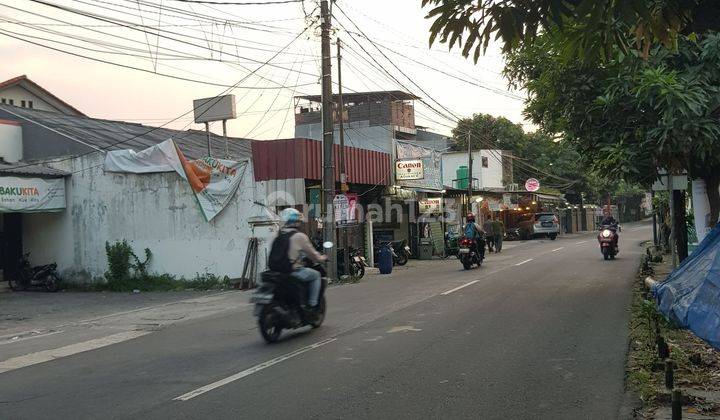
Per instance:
{"type": "Point", "coordinates": [29, 195]}
{"type": "Point", "coordinates": [430, 205]}
{"type": "Point", "coordinates": [409, 169]}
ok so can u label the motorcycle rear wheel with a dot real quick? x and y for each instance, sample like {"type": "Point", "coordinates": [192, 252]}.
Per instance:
{"type": "Point", "coordinates": [17, 284]}
{"type": "Point", "coordinates": [268, 323]}
{"type": "Point", "coordinates": [466, 264]}
{"type": "Point", "coordinates": [51, 283]}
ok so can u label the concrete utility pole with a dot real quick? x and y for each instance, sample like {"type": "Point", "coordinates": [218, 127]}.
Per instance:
{"type": "Point", "coordinates": [673, 234]}
{"type": "Point", "coordinates": [343, 175]}
{"type": "Point", "coordinates": [328, 181]}
{"type": "Point", "coordinates": [470, 175]}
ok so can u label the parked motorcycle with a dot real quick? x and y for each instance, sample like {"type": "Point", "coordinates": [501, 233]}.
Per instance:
{"type": "Point", "coordinates": [608, 239]}
{"type": "Point", "coordinates": [452, 244]}
{"type": "Point", "coordinates": [357, 263]}
{"type": "Point", "coordinates": [512, 234]}
{"type": "Point", "coordinates": [42, 276]}
{"type": "Point", "coordinates": [471, 252]}
{"type": "Point", "coordinates": [279, 302]}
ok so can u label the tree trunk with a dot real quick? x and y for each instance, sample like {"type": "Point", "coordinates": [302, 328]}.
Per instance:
{"type": "Point", "coordinates": [712, 186]}
{"type": "Point", "coordinates": [680, 225]}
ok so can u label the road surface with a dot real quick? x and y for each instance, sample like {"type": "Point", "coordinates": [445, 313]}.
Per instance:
{"type": "Point", "coordinates": [540, 331]}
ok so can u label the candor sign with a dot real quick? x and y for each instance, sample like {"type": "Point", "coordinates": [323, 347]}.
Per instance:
{"type": "Point", "coordinates": [28, 195]}
{"type": "Point", "coordinates": [409, 169]}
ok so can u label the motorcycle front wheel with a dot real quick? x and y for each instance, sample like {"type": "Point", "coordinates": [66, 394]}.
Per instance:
{"type": "Point", "coordinates": [269, 324]}
{"type": "Point", "coordinates": [320, 317]}
{"type": "Point", "coordinates": [402, 259]}
{"type": "Point", "coordinates": [606, 253]}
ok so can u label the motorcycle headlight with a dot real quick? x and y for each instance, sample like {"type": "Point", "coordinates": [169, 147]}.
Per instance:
{"type": "Point", "coordinates": [606, 233]}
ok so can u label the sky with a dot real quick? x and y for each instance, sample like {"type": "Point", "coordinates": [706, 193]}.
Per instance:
{"type": "Point", "coordinates": [229, 46]}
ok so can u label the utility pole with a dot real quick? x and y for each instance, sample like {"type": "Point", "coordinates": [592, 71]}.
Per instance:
{"type": "Point", "coordinates": [328, 181]}
{"type": "Point", "coordinates": [343, 175]}
{"type": "Point", "coordinates": [470, 174]}
{"type": "Point", "coordinates": [207, 132]}
{"type": "Point", "coordinates": [227, 149]}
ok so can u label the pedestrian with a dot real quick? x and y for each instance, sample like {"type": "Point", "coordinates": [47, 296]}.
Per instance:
{"type": "Point", "coordinates": [498, 230]}
{"type": "Point", "coordinates": [488, 228]}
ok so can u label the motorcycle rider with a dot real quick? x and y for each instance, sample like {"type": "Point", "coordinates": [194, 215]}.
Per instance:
{"type": "Point", "coordinates": [299, 247]}
{"type": "Point", "coordinates": [609, 221]}
{"type": "Point", "coordinates": [475, 232]}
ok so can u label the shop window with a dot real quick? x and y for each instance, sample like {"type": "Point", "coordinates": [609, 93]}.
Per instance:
{"type": "Point", "coordinates": [484, 162]}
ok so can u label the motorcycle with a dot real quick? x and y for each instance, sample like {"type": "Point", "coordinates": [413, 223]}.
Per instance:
{"type": "Point", "coordinates": [43, 276]}
{"type": "Point", "coordinates": [512, 234]}
{"type": "Point", "coordinates": [279, 302]}
{"type": "Point", "coordinates": [356, 261]}
{"type": "Point", "coordinates": [608, 239]}
{"type": "Point", "coordinates": [400, 251]}
{"type": "Point", "coordinates": [471, 252]}
{"type": "Point", "coordinates": [452, 245]}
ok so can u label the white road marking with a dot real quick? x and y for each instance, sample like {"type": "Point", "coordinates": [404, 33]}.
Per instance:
{"type": "Point", "coordinates": [581, 242]}
{"type": "Point", "coordinates": [459, 287]}
{"type": "Point", "coordinates": [524, 262]}
{"type": "Point", "coordinates": [52, 354]}
{"type": "Point", "coordinates": [250, 371]}
{"type": "Point", "coordinates": [16, 338]}
{"type": "Point", "coordinates": [557, 249]}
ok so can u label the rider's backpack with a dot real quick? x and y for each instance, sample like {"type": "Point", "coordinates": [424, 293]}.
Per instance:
{"type": "Point", "coordinates": [470, 231]}
{"type": "Point", "coordinates": [279, 260]}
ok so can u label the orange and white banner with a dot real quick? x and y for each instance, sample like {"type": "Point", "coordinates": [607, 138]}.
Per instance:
{"type": "Point", "coordinates": [213, 181]}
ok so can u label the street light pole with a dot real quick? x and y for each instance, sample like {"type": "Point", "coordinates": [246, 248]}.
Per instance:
{"type": "Point", "coordinates": [328, 181]}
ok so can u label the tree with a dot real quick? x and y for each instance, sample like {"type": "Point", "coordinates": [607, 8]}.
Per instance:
{"type": "Point", "coordinates": [595, 28]}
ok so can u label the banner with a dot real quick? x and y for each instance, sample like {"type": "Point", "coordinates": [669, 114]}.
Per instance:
{"type": "Point", "coordinates": [701, 209]}
{"type": "Point", "coordinates": [29, 195]}
{"type": "Point", "coordinates": [345, 209]}
{"type": "Point", "coordinates": [213, 181]}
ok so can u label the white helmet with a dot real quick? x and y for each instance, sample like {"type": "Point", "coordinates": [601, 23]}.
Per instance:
{"type": "Point", "coordinates": [290, 216]}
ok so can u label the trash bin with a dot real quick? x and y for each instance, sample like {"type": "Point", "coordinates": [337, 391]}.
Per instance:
{"type": "Point", "coordinates": [425, 250]}
{"type": "Point", "coordinates": [385, 262]}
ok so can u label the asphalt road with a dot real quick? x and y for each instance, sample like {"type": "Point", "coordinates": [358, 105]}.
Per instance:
{"type": "Point", "coordinates": [540, 331]}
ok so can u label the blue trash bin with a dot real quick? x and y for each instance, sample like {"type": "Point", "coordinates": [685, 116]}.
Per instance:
{"type": "Point", "coordinates": [385, 262]}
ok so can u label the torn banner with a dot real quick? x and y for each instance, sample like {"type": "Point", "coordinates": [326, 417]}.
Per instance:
{"type": "Point", "coordinates": [213, 181]}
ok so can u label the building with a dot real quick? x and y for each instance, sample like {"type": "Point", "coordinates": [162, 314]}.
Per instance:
{"type": "Point", "coordinates": [24, 93]}
{"type": "Point", "coordinates": [91, 207]}
{"type": "Point", "coordinates": [488, 169]}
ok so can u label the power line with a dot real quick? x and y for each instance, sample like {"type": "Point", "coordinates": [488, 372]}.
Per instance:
{"type": "Point", "coordinates": [174, 119]}
{"type": "Point", "coordinates": [232, 3]}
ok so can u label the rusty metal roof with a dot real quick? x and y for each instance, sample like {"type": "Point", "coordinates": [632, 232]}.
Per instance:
{"type": "Point", "coordinates": [302, 158]}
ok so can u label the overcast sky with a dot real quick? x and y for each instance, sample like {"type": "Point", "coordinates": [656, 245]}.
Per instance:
{"type": "Point", "coordinates": [236, 48]}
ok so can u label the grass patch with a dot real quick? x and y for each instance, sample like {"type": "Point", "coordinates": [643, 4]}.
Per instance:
{"type": "Point", "coordinates": [155, 283]}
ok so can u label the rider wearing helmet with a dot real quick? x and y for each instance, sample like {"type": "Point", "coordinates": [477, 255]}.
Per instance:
{"type": "Point", "coordinates": [300, 247]}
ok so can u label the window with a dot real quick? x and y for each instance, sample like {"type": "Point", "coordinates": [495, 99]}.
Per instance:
{"type": "Point", "coordinates": [484, 162]}
{"type": "Point", "coordinates": [4, 100]}
{"type": "Point", "coordinates": [22, 103]}
{"type": "Point", "coordinates": [11, 102]}
{"type": "Point", "coordinates": [30, 104]}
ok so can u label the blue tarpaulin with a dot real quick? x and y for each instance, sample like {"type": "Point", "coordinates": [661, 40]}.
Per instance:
{"type": "Point", "coordinates": [690, 296]}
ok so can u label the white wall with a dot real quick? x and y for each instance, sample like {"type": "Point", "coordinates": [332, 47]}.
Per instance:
{"type": "Point", "coordinates": [18, 94]}
{"type": "Point", "coordinates": [157, 211]}
{"type": "Point", "coordinates": [490, 177]}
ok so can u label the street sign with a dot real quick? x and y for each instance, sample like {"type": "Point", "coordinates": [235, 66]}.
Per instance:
{"type": "Point", "coordinates": [532, 185]}
{"type": "Point", "coordinates": [409, 169]}
{"type": "Point", "coordinates": [679, 182]}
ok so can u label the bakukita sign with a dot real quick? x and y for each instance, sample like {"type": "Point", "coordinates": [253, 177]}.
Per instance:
{"type": "Point", "coordinates": [409, 169]}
